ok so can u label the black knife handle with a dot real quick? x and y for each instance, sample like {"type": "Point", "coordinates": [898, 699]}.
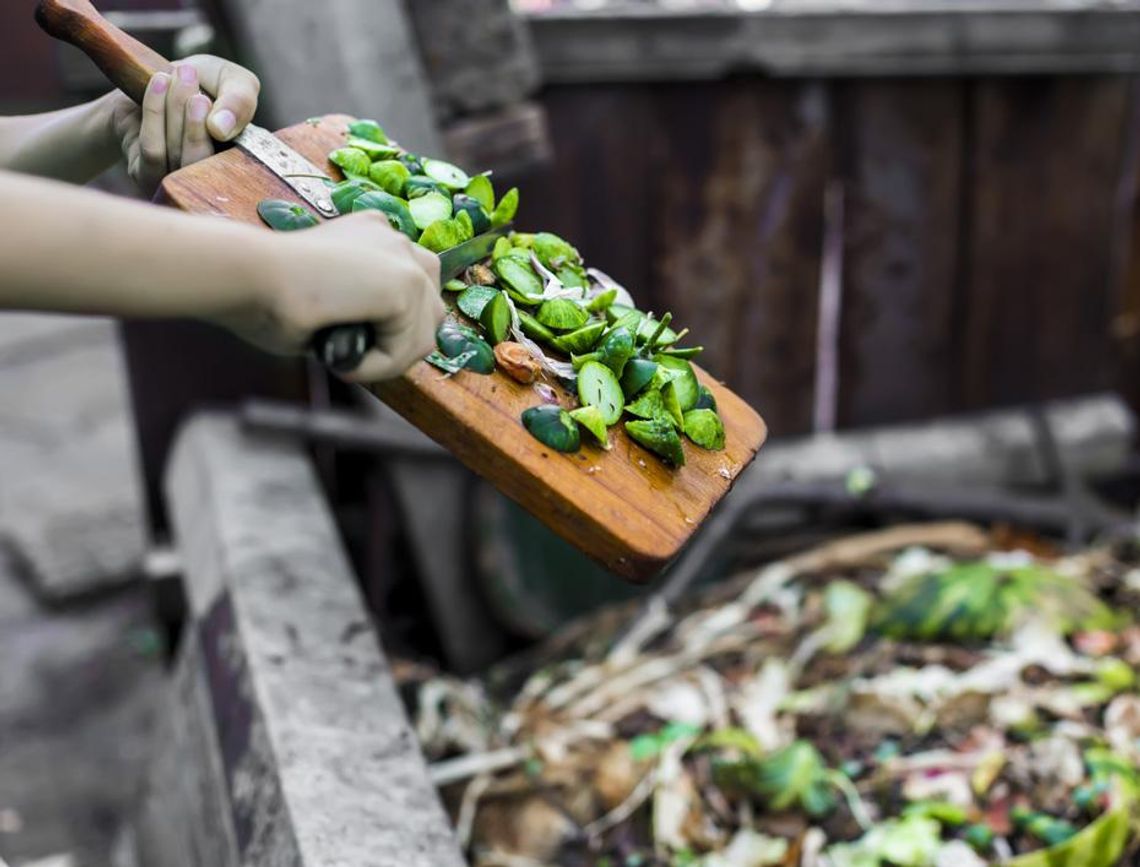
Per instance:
{"type": "Point", "coordinates": [341, 348]}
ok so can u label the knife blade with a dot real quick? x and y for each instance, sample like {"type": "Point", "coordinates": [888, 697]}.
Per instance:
{"type": "Point", "coordinates": [341, 348]}
{"type": "Point", "coordinates": [289, 166]}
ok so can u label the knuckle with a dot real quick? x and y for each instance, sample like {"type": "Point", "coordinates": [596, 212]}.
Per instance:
{"type": "Point", "coordinates": [152, 153]}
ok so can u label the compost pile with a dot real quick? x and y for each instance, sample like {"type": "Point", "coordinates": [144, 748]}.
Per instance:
{"type": "Point", "coordinates": [909, 698]}
{"type": "Point", "coordinates": [533, 309]}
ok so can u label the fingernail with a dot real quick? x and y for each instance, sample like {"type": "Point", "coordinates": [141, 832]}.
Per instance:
{"type": "Point", "coordinates": [160, 83]}
{"type": "Point", "coordinates": [188, 74]}
{"type": "Point", "coordinates": [224, 122]}
{"type": "Point", "coordinates": [199, 108]}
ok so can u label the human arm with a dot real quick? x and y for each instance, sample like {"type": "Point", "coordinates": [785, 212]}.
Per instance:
{"type": "Point", "coordinates": [65, 249]}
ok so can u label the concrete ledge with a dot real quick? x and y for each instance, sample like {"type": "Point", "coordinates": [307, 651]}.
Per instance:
{"type": "Point", "coordinates": [627, 42]}
{"type": "Point", "coordinates": [283, 711]}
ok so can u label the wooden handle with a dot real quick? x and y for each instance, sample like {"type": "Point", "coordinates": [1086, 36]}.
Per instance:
{"type": "Point", "coordinates": [126, 62]}
{"type": "Point", "coordinates": [342, 347]}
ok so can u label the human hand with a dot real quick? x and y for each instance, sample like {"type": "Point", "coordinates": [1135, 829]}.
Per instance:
{"type": "Point", "coordinates": [352, 269]}
{"type": "Point", "coordinates": [178, 123]}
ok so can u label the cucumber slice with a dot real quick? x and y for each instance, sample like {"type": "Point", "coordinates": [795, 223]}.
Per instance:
{"type": "Point", "coordinates": [638, 373]}
{"type": "Point", "coordinates": [375, 150]}
{"type": "Point", "coordinates": [597, 386]}
{"type": "Point", "coordinates": [482, 191]}
{"type": "Point", "coordinates": [617, 349]}
{"type": "Point", "coordinates": [532, 328]}
{"type": "Point", "coordinates": [706, 400]}
{"type": "Point", "coordinates": [659, 437]}
{"type": "Point", "coordinates": [601, 302]}
{"type": "Point", "coordinates": [506, 209]}
{"type": "Point", "coordinates": [562, 314]}
{"type": "Point", "coordinates": [581, 340]}
{"type": "Point", "coordinates": [429, 208]}
{"type": "Point", "coordinates": [704, 427]}
{"type": "Point", "coordinates": [651, 405]}
{"type": "Point", "coordinates": [454, 340]}
{"type": "Point", "coordinates": [479, 218]}
{"type": "Point", "coordinates": [286, 216]}
{"type": "Point", "coordinates": [414, 163]}
{"type": "Point", "coordinates": [553, 427]}
{"type": "Point", "coordinates": [684, 380]}
{"type": "Point", "coordinates": [496, 318]}
{"type": "Point", "coordinates": [421, 185]}
{"type": "Point", "coordinates": [369, 130]}
{"type": "Point", "coordinates": [474, 299]}
{"type": "Point", "coordinates": [619, 311]}
{"type": "Point", "coordinates": [347, 192]}
{"type": "Point", "coordinates": [391, 176]}
{"type": "Point", "coordinates": [590, 417]}
{"type": "Point", "coordinates": [455, 285]}
{"type": "Point", "coordinates": [450, 176]}
{"type": "Point", "coordinates": [672, 404]}
{"type": "Point", "coordinates": [520, 278]}
{"type": "Point", "coordinates": [399, 217]}
{"type": "Point", "coordinates": [579, 360]}
{"type": "Point", "coordinates": [352, 161]}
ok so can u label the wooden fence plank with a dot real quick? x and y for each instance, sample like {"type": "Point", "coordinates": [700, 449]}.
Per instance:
{"type": "Point", "coordinates": [737, 199]}
{"type": "Point", "coordinates": [1046, 158]}
{"type": "Point", "coordinates": [902, 172]}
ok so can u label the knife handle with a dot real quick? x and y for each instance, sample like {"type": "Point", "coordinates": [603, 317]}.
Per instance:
{"type": "Point", "coordinates": [126, 62]}
{"type": "Point", "coordinates": [341, 348]}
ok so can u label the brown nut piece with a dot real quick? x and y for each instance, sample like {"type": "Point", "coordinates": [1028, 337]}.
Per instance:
{"type": "Point", "coordinates": [480, 275]}
{"type": "Point", "coordinates": [517, 362]}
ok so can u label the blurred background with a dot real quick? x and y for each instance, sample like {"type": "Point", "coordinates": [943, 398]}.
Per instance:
{"type": "Point", "coordinates": [907, 233]}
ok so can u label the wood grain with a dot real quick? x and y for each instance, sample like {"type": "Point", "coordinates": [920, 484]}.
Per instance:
{"type": "Point", "coordinates": [623, 507]}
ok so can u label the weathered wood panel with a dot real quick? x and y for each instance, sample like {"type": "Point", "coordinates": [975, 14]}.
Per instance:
{"type": "Point", "coordinates": [902, 169]}
{"type": "Point", "coordinates": [1046, 158]}
{"type": "Point", "coordinates": [737, 230]}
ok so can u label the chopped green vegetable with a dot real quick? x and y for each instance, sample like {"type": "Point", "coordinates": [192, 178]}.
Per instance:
{"type": "Point", "coordinates": [519, 278]}
{"type": "Point", "coordinates": [552, 426]}
{"type": "Point", "coordinates": [430, 208]}
{"type": "Point", "coordinates": [480, 220]}
{"type": "Point", "coordinates": [442, 235]}
{"type": "Point", "coordinates": [532, 328]}
{"type": "Point", "coordinates": [421, 185]}
{"type": "Point", "coordinates": [474, 299]}
{"type": "Point", "coordinates": [454, 285]}
{"type": "Point", "coordinates": [454, 339]}
{"type": "Point", "coordinates": [450, 176]}
{"type": "Point", "coordinates": [391, 176]}
{"type": "Point", "coordinates": [703, 427]}
{"type": "Point", "coordinates": [705, 399]}
{"type": "Point", "coordinates": [592, 419]}
{"type": "Point", "coordinates": [286, 216]}
{"type": "Point", "coordinates": [482, 191]}
{"type": "Point", "coordinates": [368, 129]}
{"type": "Point", "coordinates": [353, 161]}
{"type": "Point", "coordinates": [399, 217]}
{"type": "Point", "coordinates": [597, 386]}
{"type": "Point", "coordinates": [638, 374]}
{"type": "Point", "coordinates": [659, 437]}
{"type": "Point", "coordinates": [553, 252]}
{"type": "Point", "coordinates": [684, 380]}
{"type": "Point", "coordinates": [506, 209]}
{"type": "Point", "coordinates": [600, 303]}
{"type": "Point", "coordinates": [562, 314]}
{"type": "Point", "coordinates": [374, 150]}
{"type": "Point", "coordinates": [496, 318]}
{"type": "Point", "coordinates": [581, 340]}
{"type": "Point", "coordinates": [347, 192]}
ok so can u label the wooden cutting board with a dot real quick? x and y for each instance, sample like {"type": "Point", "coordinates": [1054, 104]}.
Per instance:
{"type": "Point", "coordinates": [623, 507]}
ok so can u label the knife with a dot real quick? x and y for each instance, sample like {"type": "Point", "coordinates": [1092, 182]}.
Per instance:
{"type": "Point", "coordinates": [342, 347]}
{"type": "Point", "coordinates": [130, 65]}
